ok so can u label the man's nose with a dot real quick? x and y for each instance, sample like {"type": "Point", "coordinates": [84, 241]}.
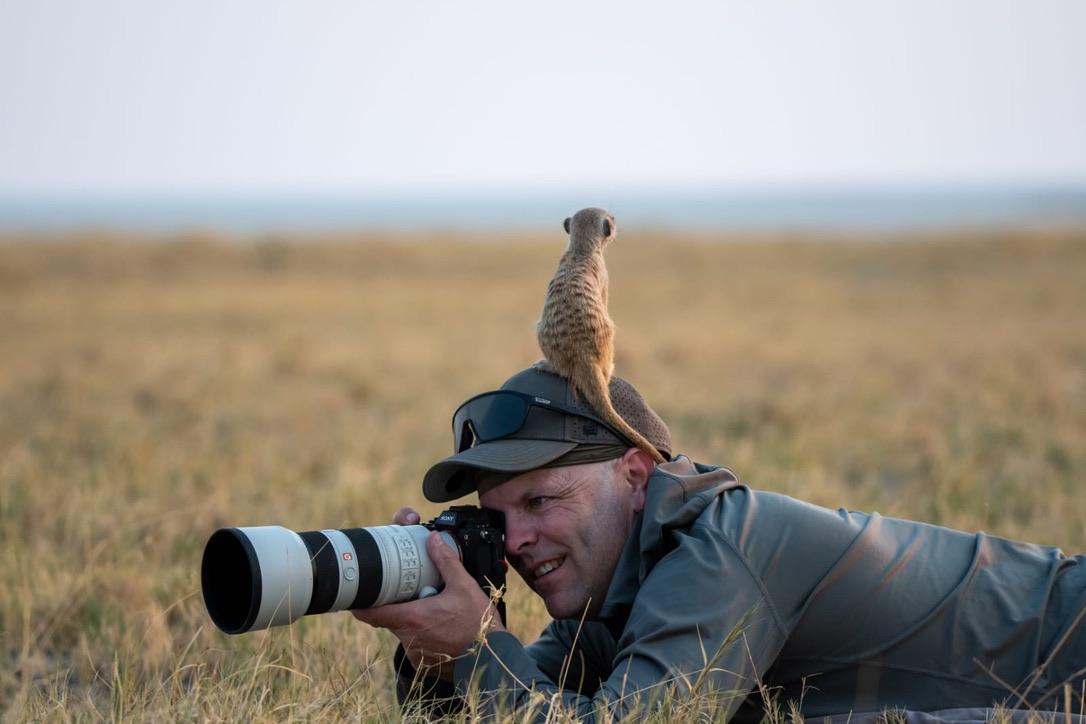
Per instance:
{"type": "Point", "coordinates": [519, 535]}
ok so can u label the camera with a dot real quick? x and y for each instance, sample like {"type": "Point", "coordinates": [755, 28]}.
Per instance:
{"type": "Point", "coordinates": [258, 577]}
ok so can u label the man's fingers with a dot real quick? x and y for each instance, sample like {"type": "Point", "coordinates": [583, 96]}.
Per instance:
{"type": "Point", "coordinates": [368, 615]}
{"type": "Point", "coordinates": [390, 616]}
{"type": "Point", "coordinates": [406, 516]}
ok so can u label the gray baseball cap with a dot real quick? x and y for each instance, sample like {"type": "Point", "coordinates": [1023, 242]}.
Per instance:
{"type": "Point", "coordinates": [546, 434]}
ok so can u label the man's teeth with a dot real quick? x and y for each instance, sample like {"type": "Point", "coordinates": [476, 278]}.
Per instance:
{"type": "Point", "coordinates": [547, 567]}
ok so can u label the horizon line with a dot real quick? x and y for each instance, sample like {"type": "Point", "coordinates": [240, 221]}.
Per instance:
{"type": "Point", "coordinates": [704, 209]}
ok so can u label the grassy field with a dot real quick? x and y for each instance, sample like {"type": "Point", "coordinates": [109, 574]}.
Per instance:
{"type": "Point", "coordinates": [153, 390]}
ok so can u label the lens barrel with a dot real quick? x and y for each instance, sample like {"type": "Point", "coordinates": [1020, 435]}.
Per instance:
{"type": "Point", "coordinates": [257, 577]}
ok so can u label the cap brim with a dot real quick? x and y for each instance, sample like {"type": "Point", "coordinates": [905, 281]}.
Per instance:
{"type": "Point", "coordinates": [509, 455]}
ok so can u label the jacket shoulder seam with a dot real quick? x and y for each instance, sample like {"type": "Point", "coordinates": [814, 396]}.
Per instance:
{"type": "Point", "coordinates": [777, 621]}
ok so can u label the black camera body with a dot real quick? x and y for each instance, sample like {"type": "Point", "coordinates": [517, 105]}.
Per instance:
{"type": "Point", "coordinates": [480, 535]}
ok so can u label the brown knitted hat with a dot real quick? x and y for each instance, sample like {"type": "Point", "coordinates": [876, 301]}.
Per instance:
{"type": "Point", "coordinates": [546, 434]}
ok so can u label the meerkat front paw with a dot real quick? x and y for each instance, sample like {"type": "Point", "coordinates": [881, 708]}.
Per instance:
{"type": "Point", "coordinates": [544, 365]}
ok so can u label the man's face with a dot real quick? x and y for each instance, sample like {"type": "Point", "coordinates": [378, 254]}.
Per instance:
{"type": "Point", "coordinates": [565, 529]}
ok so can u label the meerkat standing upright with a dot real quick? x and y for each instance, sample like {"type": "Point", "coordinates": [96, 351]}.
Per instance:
{"type": "Point", "coordinates": [575, 332]}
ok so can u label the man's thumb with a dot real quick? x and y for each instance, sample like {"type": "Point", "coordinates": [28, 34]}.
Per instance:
{"type": "Point", "coordinates": [445, 558]}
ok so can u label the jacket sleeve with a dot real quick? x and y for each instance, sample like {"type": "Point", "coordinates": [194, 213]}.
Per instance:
{"type": "Point", "coordinates": [426, 696]}
{"type": "Point", "coordinates": [701, 625]}
{"type": "Point", "coordinates": [575, 656]}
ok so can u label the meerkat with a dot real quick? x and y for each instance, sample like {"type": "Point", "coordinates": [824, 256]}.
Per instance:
{"type": "Point", "coordinates": [576, 334]}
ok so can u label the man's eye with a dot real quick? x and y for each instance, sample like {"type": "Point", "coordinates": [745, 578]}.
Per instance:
{"type": "Point", "coordinates": [537, 501]}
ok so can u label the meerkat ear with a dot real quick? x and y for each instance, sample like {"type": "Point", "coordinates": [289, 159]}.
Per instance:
{"type": "Point", "coordinates": [565, 224]}
{"type": "Point", "coordinates": [607, 228]}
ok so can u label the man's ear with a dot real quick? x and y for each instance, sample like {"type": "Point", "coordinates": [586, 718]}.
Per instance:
{"type": "Point", "coordinates": [638, 466]}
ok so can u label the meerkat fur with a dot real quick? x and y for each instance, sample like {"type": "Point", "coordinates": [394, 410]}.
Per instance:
{"type": "Point", "coordinates": [575, 332]}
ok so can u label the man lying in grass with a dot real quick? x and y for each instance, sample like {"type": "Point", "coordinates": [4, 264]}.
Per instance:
{"type": "Point", "coordinates": [675, 582]}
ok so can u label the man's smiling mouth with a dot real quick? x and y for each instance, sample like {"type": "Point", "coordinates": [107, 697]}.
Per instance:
{"type": "Point", "coordinates": [546, 567]}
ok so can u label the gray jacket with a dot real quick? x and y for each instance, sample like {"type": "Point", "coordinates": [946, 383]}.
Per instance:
{"type": "Point", "coordinates": [730, 593]}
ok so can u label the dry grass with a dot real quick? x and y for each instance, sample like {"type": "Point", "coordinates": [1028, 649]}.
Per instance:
{"type": "Point", "coordinates": [152, 391]}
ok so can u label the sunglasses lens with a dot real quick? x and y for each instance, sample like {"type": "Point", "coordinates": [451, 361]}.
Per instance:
{"type": "Point", "coordinates": [491, 417]}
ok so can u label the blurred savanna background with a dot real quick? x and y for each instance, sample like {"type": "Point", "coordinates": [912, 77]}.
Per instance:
{"type": "Point", "coordinates": [249, 284]}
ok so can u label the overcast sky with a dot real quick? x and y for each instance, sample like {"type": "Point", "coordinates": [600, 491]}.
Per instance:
{"type": "Point", "coordinates": [259, 96]}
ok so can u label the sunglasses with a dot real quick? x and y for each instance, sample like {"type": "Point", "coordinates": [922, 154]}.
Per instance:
{"type": "Point", "coordinates": [498, 414]}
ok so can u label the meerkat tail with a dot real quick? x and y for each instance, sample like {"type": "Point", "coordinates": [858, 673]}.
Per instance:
{"type": "Point", "coordinates": [596, 391]}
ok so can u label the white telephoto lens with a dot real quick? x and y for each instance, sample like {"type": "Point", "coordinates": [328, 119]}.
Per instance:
{"type": "Point", "coordinates": [262, 576]}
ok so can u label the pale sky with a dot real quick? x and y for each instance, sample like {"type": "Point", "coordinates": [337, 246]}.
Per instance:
{"type": "Point", "coordinates": [201, 96]}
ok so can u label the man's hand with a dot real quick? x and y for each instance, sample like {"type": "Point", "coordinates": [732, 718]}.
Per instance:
{"type": "Point", "coordinates": [437, 629]}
